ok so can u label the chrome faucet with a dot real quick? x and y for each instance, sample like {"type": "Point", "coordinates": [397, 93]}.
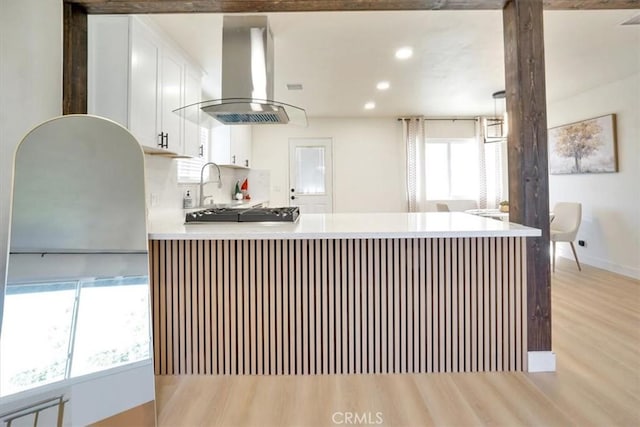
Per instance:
{"type": "Point", "coordinates": [219, 181]}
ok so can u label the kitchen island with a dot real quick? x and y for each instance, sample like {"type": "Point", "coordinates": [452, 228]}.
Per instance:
{"type": "Point", "coordinates": [340, 293]}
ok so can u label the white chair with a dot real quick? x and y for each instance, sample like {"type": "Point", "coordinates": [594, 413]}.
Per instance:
{"type": "Point", "coordinates": [564, 227]}
{"type": "Point", "coordinates": [454, 205]}
{"type": "Point", "coordinates": [442, 207]}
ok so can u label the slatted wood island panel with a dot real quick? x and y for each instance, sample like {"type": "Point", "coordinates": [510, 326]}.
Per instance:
{"type": "Point", "coordinates": [298, 306]}
{"type": "Point", "coordinates": [340, 293]}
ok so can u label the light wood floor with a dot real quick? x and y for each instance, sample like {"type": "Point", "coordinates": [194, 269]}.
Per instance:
{"type": "Point", "coordinates": [596, 337]}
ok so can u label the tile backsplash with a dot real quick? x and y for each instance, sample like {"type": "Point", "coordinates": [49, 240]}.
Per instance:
{"type": "Point", "coordinates": [165, 195]}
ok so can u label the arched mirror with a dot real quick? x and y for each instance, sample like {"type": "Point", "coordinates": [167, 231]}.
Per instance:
{"type": "Point", "coordinates": [76, 338]}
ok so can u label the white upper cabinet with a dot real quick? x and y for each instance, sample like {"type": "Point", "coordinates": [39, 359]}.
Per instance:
{"type": "Point", "coordinates": [241, 145]}
{"type": "Point", "coordinates": [143, 116]}
{"type": "Point", "coordinates": [171, 96]}
{"type": "Point", "coordinates": [231, 145]}
{"type": "Point", "coordinates": [137, 79]}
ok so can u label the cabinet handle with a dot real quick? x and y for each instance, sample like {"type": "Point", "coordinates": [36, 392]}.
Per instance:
{"type": "Point", "coordinates": [293, 197]}
{"type": "Point", "coordinates": [233, 159]}
{"type": "Point", "coordinates": [201, 153]}
{"type": "Point", "coordinates": [246, 163]}
{"type": "Point", "coordinates": [164, 140]}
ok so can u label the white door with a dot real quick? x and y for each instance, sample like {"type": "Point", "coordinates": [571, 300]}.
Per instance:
{"type": "Point", "coordinates": [311, 174]}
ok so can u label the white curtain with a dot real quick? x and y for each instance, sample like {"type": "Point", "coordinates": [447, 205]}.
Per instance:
{"type": "Point", "coordinates": [500, 193]}
{"type": "Point", "coordinates": [491, 169]}
{"type": "Point", "coordinates": [482, 166]}
{"type": "Point", "coordinates": [413, 133]}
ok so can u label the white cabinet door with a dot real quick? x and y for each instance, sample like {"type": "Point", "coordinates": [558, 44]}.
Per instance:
{"type": "Point", "coordinates": [143, 117]}
{"type": "Point", "coordinates": [171, 99]}
{"type": "Point", "coordinates": [231, 145]}
{"type": "Point", "coordinates": [192, 94]}
{"type": "Point", "coordinates": [241, 145]}
{"type": "Point", "coordinates": [221, 145]}
{"type": "Point", "coordinates": [123, 76]}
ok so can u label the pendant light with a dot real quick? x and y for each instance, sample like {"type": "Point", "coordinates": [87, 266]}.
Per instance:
{"type": "Point", "coordinates": [496, 127]}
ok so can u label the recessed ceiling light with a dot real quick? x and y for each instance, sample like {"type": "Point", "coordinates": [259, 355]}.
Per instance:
{"type": "Point", "coordinates": [404, 53]}
{"type": "Point", "coordinates": [384, 85]}
{"type": "Point", "coordinates": [369, 105]}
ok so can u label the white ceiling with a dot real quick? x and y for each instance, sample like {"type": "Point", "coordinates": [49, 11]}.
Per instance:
{"type": "Point", "coordinates": [457, 64]}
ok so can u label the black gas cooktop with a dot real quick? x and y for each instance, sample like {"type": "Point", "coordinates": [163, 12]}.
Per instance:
{"type": "Point", "coordinates": [288, 214]}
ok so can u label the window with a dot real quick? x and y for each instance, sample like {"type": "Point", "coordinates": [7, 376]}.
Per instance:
{"type": "Point", "coordinates": [451, 168]}
{"type": "Point", "coordinates": [189, 169]}
{"type": "Point", "coordinates": [60, 330]}
{"type": "Point", "coordinates": [36, 327]}
{"type": "Point", "coordinates": [310, 173]}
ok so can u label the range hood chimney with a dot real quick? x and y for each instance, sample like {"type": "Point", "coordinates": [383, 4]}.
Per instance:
{"type": "Point", "coordinates": [247, 78]}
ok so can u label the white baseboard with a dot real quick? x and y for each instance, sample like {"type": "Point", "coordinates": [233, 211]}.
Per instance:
{"type": "Point", "coordinates": [633, 272]}
{"type": "Point", "coordinates": [541, 361]}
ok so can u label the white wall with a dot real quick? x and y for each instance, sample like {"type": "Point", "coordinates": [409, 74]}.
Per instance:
{"type": "Point", "coordinates": [368, 161]}
{"type": "Point", "coordinates": [610, 202]}
{"type": "Point", "coordinates": [30, 87]}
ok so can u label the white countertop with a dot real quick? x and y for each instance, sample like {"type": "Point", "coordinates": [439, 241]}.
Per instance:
{"type": "Point", "coordinates": [344, 226]}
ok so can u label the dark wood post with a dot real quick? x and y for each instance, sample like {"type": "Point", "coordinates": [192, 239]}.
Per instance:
{"type": "Point", "coordinates": [74, 71]}
{"type": "Point", "coordinates": [527, 153]}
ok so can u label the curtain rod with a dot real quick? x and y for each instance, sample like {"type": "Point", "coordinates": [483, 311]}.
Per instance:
{"type": "Point", "coordinates": [453, 119]}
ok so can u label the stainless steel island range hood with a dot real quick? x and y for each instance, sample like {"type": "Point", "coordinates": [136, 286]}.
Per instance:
{"type": "Point", "coordinates": [247, 78]}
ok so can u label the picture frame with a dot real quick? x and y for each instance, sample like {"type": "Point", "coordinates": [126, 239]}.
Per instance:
{"type": "Point", "coordinates": [583, 147]}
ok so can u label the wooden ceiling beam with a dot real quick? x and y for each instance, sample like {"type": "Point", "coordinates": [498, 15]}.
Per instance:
{"type": "Point", "coordinates": [590, 4]}
{"type": "Point", "coordinates": [239, 6]}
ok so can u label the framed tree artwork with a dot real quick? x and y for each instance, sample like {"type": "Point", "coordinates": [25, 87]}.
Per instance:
{"type": "Point", "coordinates": [587, 146]}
